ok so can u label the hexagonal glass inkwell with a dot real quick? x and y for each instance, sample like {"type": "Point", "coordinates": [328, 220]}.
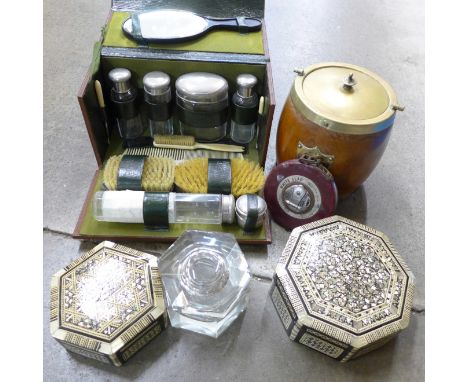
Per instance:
{"type": "Point", "coordinates": [108, 303]}
{"type": "Point", "coordinates": [341, 288]}
{"type": "Point", "coordinates": [206, 280]}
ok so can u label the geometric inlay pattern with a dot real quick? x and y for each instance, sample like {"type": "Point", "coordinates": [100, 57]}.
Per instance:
{"type": "Point", "coordinates": [104, 294]}
{"type": "Point", "coordinates": [348, 276]}
{"type": "Point", "coordinates": [347, 272]}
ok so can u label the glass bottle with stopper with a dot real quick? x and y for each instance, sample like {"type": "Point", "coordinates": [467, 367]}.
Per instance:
{"type": "Point", "coordinates": [123, 97]}
{"type": "Point", "coordinates": [244, 109]}
{"type": "Point", "coordinates": [157, 88]}
{"type": "Point", "coordinates": [168, 208]}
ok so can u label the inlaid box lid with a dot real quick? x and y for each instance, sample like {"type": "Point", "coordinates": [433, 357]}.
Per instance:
{"type": "Point", "coordinates": [345, 280]}
{"type": "Point", "coordinates": [104, 300]}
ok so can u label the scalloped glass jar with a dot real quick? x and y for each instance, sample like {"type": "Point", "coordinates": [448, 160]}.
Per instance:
{"type": "Point", "coordinates": [206, 281]}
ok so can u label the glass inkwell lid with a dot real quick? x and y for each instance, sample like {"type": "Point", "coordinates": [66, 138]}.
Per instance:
{"type": "Point", "coordinates": [206, 280]}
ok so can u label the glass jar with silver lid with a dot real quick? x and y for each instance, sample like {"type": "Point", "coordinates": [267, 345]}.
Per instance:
{"type": "Point", "coordinates": [157, 89]}
{"type": "Point", "coordinates": [202, 105]}
{"type": "Point", "coordinates": [244, 109]}
{"type": "Point", "coordinates": [250, 212]}
{"type": "Point", "coordinates": [123, 97]}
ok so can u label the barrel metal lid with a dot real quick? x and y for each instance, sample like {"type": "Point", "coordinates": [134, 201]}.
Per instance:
{"type": "Point", "coordinates": [344, 98]}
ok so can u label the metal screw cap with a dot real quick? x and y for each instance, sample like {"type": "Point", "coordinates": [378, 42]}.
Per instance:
{"type": "Point", "coordinates": [228, 205]}
{"type": "Point", "coordinates": [121, 79]}
{"type": "Point", "coordinates": [156, 83]}
{"type": "Point", "coordinates": [245, 84]}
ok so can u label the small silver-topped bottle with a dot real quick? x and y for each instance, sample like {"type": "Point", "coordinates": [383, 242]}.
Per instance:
{"type": "Point", "coordinates": [123, 97]}
{"type": "Point", "coordinates": [157, 89]}
{"type": "Point", "coordinates": [244, 109]}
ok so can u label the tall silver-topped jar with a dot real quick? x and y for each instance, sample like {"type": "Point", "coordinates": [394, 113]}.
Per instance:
{"type": "Point", "coordinates": [157, 89]}
{"type": "Point", "coordinates": [202, 105]}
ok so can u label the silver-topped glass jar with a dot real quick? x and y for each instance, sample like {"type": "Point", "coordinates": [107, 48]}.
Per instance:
{"type": "Point", "coordinates": [157, 88]}
{"type": "Point", "coordinates": [202, 106]}
{"type": "Point", "coordinates": [244, 109]}
{"type": "Point", "coordinates": [123, 96]}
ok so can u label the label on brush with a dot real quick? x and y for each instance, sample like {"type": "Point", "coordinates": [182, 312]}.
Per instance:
{"type": "Point", "coordinates": [219, 176]}
{"type": "Point", "coordinates": [131, 172]}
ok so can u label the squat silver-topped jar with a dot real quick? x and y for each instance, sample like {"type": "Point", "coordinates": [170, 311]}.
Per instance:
{"type": "Point", "coordinates": [250, 212]}
{"type": "Point", "coordinates": [202, 105]}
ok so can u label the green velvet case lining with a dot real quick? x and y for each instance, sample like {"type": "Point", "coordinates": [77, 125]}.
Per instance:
{"type": "Point", "coordinates": [92, 227]}
{"type": "Point", "coordinates": [101, 65]}
{"type": "Point", "coordinates": [215, 41]}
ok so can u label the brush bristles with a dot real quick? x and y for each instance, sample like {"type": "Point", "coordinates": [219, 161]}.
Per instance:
{"type": "Point", "coordinates": [191, 176]}
{"type": "Point", "coordinates": [181, 140]}
{"type": "Point", "coordinates": [158, 173]}
{"type": "Point", "coordinates": [247, 177]}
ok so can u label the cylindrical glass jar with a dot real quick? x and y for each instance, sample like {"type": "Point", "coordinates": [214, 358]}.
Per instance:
{"type": "Point", "coordinates": [157, 89]}
{"type": "Point", "coordinates": [345, 111]}
{"type": "Point", "coordinates": [244, 109]}
{"type": "Point", "coordinates": [123, 97]}
{"type": "Point", "coordinates": [202, 106]}
{"type": "Point", "coordinates": [127, 207]}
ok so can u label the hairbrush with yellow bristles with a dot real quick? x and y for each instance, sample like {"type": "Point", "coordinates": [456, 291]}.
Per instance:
{"type": "Point", "coordinates": [155, 174]}
{"type": "Point", "coordinates": [202, 175]}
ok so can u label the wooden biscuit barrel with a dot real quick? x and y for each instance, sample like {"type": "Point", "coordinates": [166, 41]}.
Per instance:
{"type": "Point", "coordinates": [340, 110]}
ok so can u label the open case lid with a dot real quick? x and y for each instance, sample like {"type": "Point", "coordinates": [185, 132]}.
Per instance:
{"type": "Point", "coordinates": [244, 47]}
{"type": "Point", "coordinates": [214, 8]}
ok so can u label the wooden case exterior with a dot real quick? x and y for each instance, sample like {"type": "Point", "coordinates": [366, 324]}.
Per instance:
{"type": "Point", "coordinates": [97, 136]}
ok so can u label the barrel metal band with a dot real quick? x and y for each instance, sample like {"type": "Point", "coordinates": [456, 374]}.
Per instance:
{"type": "Point", "coordinates": [219, 176]}
{"type": "Point", "coordinates": [156, 210]}
{"type": "Point", "coordinates": [130, 172]}
{"type": "Point", "coordinates": [252, 213]}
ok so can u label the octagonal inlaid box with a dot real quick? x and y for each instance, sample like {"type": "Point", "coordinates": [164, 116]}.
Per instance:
{"type": "Point", "coordinates": [108, 303]}
{"type": "Point", "coordinates": [341, 288]}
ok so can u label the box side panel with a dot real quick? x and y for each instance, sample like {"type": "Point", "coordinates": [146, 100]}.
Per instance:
{"type": "Point", "coordinates": [355, 353]}
{"type": "Point", "coordinates": [144, 338]}
{"type": "Point", "coordinates": [84, 346]}
{"type": "Point", "coordinates": [283, 308]}
{"type": "Point", "coordinates": [313, 341]}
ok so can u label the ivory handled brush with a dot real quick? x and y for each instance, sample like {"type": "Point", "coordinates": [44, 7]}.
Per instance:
{"type": "Point", "coordinates": [102, 107]}
{"type": "Point", "coordinates": [185, 142]}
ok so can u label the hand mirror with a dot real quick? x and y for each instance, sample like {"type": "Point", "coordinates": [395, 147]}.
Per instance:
{"type": "Point", "coordinates": [176, 25]}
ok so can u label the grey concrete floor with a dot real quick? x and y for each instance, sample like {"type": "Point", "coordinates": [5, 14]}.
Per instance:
{"type": "Point", "coordinates": [386, 36]}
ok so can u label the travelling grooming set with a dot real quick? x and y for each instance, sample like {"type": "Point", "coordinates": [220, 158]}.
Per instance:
{"type": "Point", "coordinates": [186, 106]}
{"type": "Point", "coordinates": [185, 114]}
